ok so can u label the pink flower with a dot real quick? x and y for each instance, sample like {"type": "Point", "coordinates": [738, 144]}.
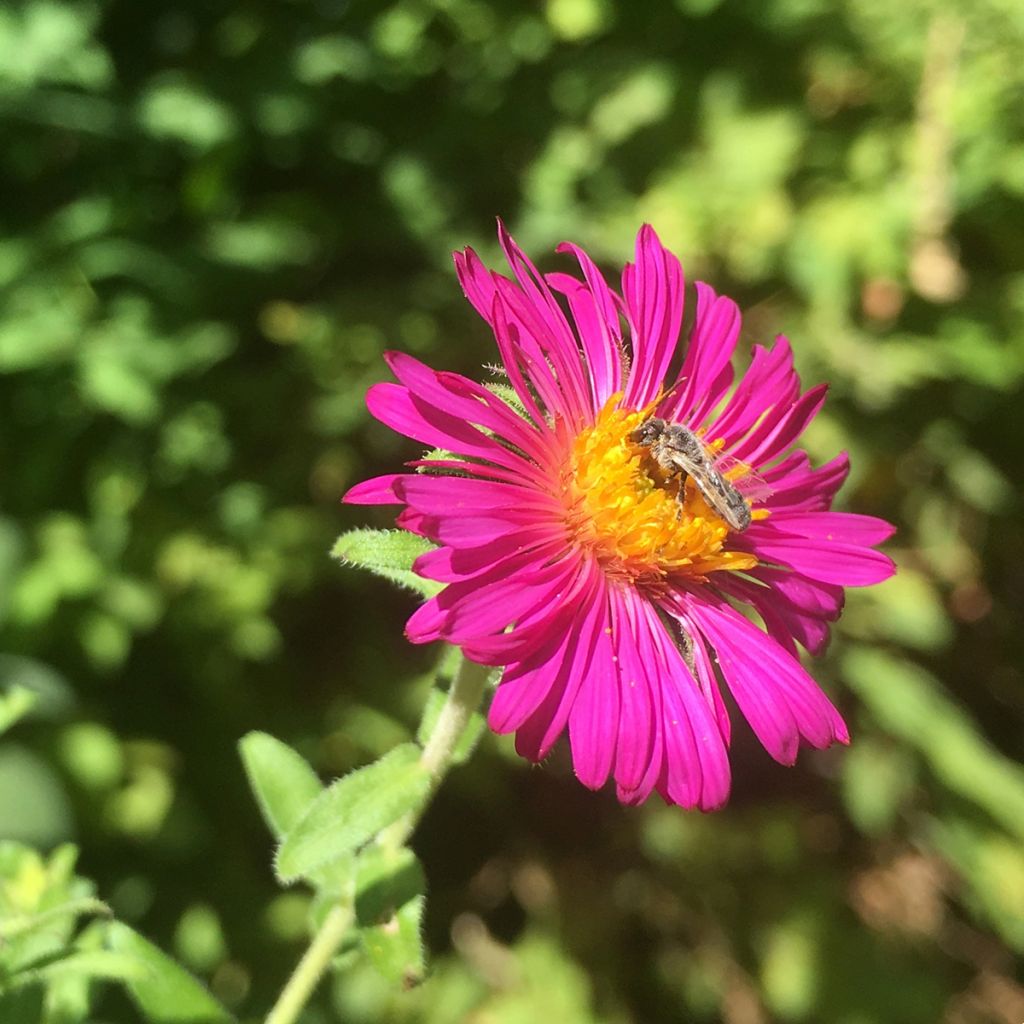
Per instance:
{"type": "Point", "coordinates": [604, 580]}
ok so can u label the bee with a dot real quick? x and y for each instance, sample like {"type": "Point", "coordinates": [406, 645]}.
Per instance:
{"type": "Point", "coordinates": [680, 453]}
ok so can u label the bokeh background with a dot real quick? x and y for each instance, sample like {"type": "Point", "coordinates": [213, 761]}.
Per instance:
{"type": "Point", "coordinates": [213, 219]}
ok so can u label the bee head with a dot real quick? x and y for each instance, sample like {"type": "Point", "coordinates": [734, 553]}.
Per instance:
{"type": "Point", "coordinates": [648, 432]}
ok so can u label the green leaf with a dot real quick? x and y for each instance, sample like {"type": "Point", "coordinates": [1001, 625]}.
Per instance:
{"type": "Point", "coordinates": [54, 698]}
{"type": "Point", "coordinates": [353, 810]}
{"type": "Point", "coordinates": [387, 553]}
{"type": "Point", "coordinates": [992, 865]}
{"type": "Point", "coordinates": [283, 782]}
{"type": "Point", "coordinates": [164, 991]}
{"type": "Point", "coordinates": [878, 778]}
{"type": "Point", "coordinates": [509, 396]}
{"type": "Point", "coordinates": [386, 879]}
{"type": "Point", "coordinates": [15, 704]}
{"type": "Point", "coordinates": [91, 963]}
{"type": "Point", "coordinates": [910, 703]}
{"type": "Point", "coordinates": [395, 948]}
{"type": "Point", "coordinates": [64, 913]}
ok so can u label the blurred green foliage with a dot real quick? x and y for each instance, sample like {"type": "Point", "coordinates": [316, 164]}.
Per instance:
{"type": "Point", "coordinates": [215, 218]}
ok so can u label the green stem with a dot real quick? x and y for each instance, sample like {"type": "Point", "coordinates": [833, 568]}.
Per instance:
{"type": "Point", "coordinates": [464, 696]}
{"type": "Point", "coordinates": [463, 699]}
{"type": "Point", "coordinates": [316, 960]}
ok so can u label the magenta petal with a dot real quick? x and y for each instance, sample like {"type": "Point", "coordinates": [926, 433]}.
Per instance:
{"type": "Point", "coordinates": [542, 316]}
{"type": "Point", "coordinates": [782, 619]}
{"type": "Point", "coordinates": [452, 565]}
{"type": "Point", "coordinates": [471, 529]}
{"type": "Point", "coordinates": [478, 285]}
{"type": "Point", "coordinates": [455, 469]}
{"type": "Point", "coordinates": [707, 369]}
{"type": "Point", "coordinates": [490, 601]}
{"type": "Point", "coordinates": [774, 435]}
{"type": "Point", "coordinates": [427, 623]}
{"type": "Point", "coordinates": [657, 667]}
{"type": "Point", "coordinates": [594, 720]}
{"type": "Point", "coordinates": [711, 762]}
{"type": "Point", "coordinates": [770, 381]}
{"type": "Point", "coordinates": [696, 771]}
{"type": "Point", "coordinates": [476, 281]}
{"type": "Point", "coordinates": [397, 408]}
{"type": "Point", "coordinates": [828, 561]}
{"type": "Point", "coordinates": [824, 600]}
{"type": "Point", "coordinates": [521, 350]}
{"type": "Point", "coordinates": [434, 495]}
{"type": "Point", "coordinates": [465, 400]}
{"type": "Point", "coordinates": [759, 598]}
{"type": "Point", "coordinates": [640, 703]}
{"type": "Point", "coordinates": [603, 354]}
{"type": "Point", "coordinates": [532, 629]}
{"type": "Point", "coordinates": [653, 291]}
{"type": "Point", "coordinates": [795, 487]}
{"type": "Point", "coordinates": [709, 685]}
{"type": "Point", "coordinates": [846, 527]}
{"type": "Point", "coordinates": [481, 608]}
{"type": "Point", "coordinates": [539, 733]}
{"type": "Point", "coordinates": [380, 490]}
{"type": "Point", "coordinates": [526, 684]}
{"type": "Point", "coordinates": [597, 323]}
{"type": "Point", "coordinates": [781, 702]}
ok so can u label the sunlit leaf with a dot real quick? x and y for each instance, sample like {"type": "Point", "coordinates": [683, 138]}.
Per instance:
{"type": "Point", "coordinates": [387, 553]}
{"type": "Point", "coordinates": [909, 703]}
{"type": "Point", "coordinates": [15, 704]}
{"type": "Point", "coordinates": [165, 992]}
{"type": "Point", "coordinates": [283, 782]}
{"type": "Point", "coordinates": [353, 810]}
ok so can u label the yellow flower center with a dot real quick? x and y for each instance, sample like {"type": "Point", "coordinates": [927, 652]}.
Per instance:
{"type": "Point", "coordinates": [638, 521]}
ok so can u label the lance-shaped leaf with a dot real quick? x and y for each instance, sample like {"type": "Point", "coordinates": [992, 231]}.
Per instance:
{"type": "Point", "coordinates": [72, 963]}
{"type": "Point", "coordinates": [387, 553]}
{"type": "Point", "coordinates": [164, 991]}
{"type": "Point", "coordinates": [353, 810]}
{"type": "Point", "coordinates": [283, 782]}
{"type": "Point", "coordinates": [15, 704]}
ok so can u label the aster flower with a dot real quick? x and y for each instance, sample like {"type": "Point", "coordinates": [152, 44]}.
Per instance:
{"type": "Point", "coordinates": [608, 586]}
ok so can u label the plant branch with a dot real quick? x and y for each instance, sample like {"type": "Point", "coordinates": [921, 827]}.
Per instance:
{"type": "Point", "coordinates": [311, 967]}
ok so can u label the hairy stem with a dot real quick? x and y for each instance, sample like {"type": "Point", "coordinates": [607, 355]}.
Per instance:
{"type": "Point", "coordinates": [311, 967]}
{"type": "Point", "coordinates": [463, 699]}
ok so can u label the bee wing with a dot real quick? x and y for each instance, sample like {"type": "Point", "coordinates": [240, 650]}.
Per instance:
{"type": "Point", "coordinates": [681, 461]}
{"type": "Point", "coordinates": [747, 481]}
